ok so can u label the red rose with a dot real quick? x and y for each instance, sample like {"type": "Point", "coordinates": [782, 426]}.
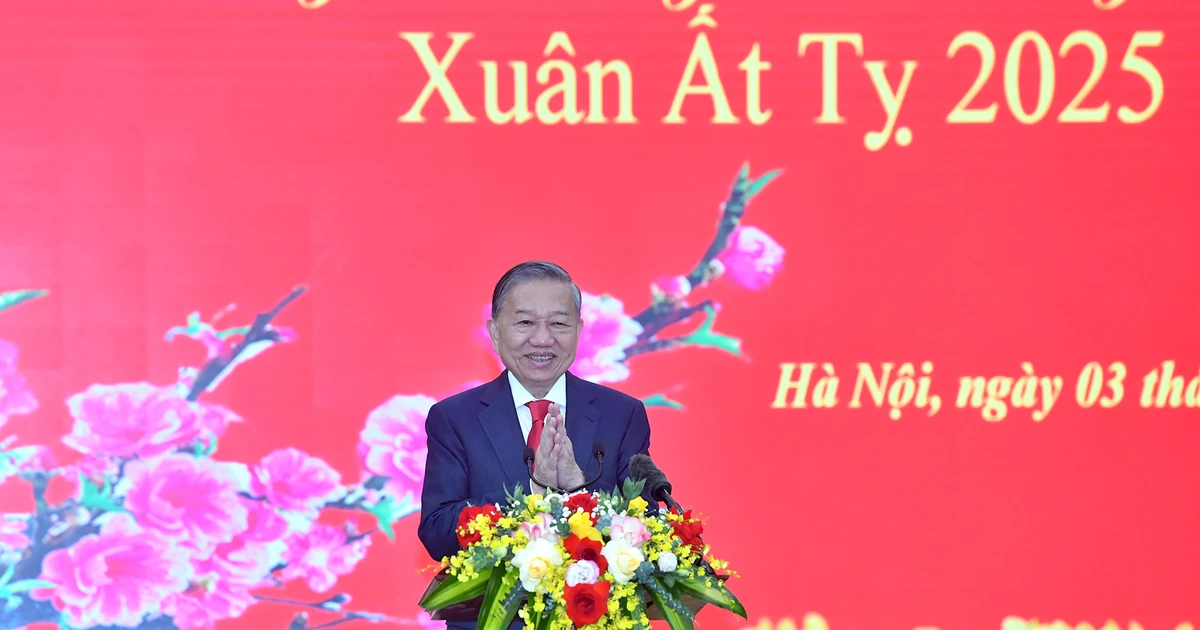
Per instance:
{"type": "Point", "coordinates": [586, 603]}
{"type": "Point", "coordinates": [582, 501]}
{"type": "Point", "coordinates": [586, 549]}
{"type": "Point", "coordinates": [688, 530]}
{"type": "Point", "coordinates": [465, 537]}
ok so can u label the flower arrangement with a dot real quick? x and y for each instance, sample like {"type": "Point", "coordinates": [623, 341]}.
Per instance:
{"type": "Point", "coordinates": [587, 560]}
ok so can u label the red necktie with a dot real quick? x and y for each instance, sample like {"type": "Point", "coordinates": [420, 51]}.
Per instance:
{"type": "Point", "coordinates": [538, 409]}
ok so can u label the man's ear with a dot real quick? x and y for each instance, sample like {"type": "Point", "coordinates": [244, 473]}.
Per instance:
{"type": "Point", "coordinates": [494, 332]}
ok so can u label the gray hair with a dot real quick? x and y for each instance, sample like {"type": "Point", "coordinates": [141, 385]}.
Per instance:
{"type": "Point", "coordinates": [530, 271]}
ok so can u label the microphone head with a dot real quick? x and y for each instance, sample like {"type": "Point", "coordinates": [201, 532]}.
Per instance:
{"type": "Point", "coordinates": [528, 455]}
{"type": "Point", "coordinates": [597, 448]}
{"type": "Point", "coordinates": [641, 466]}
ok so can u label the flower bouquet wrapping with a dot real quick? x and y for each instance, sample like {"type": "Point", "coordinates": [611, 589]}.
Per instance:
{"type": "Point", "coordinates": [585, 560]}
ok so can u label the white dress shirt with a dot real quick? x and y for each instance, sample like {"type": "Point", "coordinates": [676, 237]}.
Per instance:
{"type": "Point", "coordinates": [521, 396]}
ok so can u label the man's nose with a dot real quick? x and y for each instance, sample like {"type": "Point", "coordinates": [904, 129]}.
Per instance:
{"type": "Point", "coordinates": [541, 336]}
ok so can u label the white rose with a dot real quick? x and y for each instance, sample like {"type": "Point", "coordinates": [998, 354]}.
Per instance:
{"type": "Point", "coordinates": [583, 572]}
{"type": "Point", "coordinates": [534, 562]}
{"type": "Point", "coordinates": [623, 559]}
{"type": "Point", "coordinates": [667, 562]}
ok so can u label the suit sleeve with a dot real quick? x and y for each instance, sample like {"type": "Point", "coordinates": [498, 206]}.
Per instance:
{"type": "Point", "coordinates": [445, 491]}
{"type": "Point", "coordinates": [635, 441]}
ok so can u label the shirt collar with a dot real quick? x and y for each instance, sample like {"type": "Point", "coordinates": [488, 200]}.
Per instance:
{"type": "Point", "coordinates": [521, 396]}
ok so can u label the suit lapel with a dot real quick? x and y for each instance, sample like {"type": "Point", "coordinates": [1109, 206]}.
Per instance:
{"type": "Point", "coordinates": [500, 425]}
{"type": "Point", "coordinates": [582, 418]}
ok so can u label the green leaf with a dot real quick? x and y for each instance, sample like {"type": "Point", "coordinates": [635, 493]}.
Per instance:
{"type": "Point", "coordinates": [451, 591]}
{"type": "Point", "coordinates": [632, 489]}
{"type": "Point", "coordinates": [21, 586]}
{"type": "Point", "coordinates": [667, 603]}
{"type": "Point", "coordinates": [757, 185]}
{"type": "Point", "coordinates": [514, 497]}
{"type": "Point", "coordinates": [8, 573]}
{"type": "Point", "coordinates": [499, 608]}
{"type": "Point", "coordinates": [660, 400]}
{"type": "Point", "coordinates": [715, 593]}
{"type": "Point", "coordinates": [13, 298]}
{"type": "Point", "coordinates": [704, 336]}
{"type": "Point", "coordinates": [98, 498]}
{"type": "Point", "coordinates": [236, 330]}
{"type": "Point", "coordinates": [206, 450]}
{"type": "Point", "coordinates": [382, 511]}
{"type": "Point", "coordinates": [638, 611]}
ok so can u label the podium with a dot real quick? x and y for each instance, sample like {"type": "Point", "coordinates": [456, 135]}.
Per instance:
{"type": "Point", "coordinates": [469, 610]}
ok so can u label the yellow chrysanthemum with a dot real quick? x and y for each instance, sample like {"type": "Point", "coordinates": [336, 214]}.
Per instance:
{"type": "Point", "coordinates": [581, 525]}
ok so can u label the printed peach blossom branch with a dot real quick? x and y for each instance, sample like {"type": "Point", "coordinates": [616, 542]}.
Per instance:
{"type": "Point", "coordinates": [668, 308]}
{"type": "Point", "coordinates": [332, 604]}
{"type": "Point", "coordinates": [664, 312]}
{"type": "Point", "coordinates": [259, 332]}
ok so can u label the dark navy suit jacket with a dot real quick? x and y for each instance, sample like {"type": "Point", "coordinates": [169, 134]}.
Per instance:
{"type": "Point", "coordinates": [476, 448]}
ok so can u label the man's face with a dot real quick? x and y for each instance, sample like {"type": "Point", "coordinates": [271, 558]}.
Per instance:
{"type": "Point", "coordinates": [536, 333]}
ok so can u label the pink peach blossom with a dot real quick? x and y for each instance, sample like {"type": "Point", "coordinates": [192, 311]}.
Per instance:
{"type": "Point", "coordinates": [252, 552]}
{"type": "Point", "coordinates": [676, 288]}
{"type": "Point", "coordinates": [752, 258]}
{"type": "Point", "coordinates": [190, 500]}
{"type": "Point", "coordinates": [116, 577]}
{"type": "Point", "coordinates": [19, 459]}
{"type": "Point", "coordinates": [140, 419]}
{"type": "Point", "coordinates": [629, 528]}
{"type": "Point", "coordinates": [607, 332]}
{"type": "Point", "coordinates": [263, 523]}
{"type": "Point", "coordinates": [210, 597]}
{"type": "Point", "coordinates": [222, 584]}
{"type": "Point", "coordinates": [291, 479]}
{"type": "Point", "coordinates": [97, 470]}
{"type": "Point", "coordinates": [393, 443]}
{"type": "Point", "coordinates": [15, 397]}
{"type": "Point", "coordinates": [35, 457]}
{"type": "Point", "coordinates": [322, 554]}
{"type": "Point", "coordinates": [12, 532]}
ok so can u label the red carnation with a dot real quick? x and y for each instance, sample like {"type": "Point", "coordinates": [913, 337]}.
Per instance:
{"type": "Point", "coordinates": [465, 537]}
{"type": "Point", "coordinates": [582, 501]}
{"type": "Point", "coordinates": [688, 530]}
{"type": "Point", "coordinates": [586, 549]}
{"type": "Point", "coordinates": [586, 603]}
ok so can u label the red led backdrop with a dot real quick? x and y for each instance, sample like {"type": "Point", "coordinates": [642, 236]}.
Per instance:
{"type": "Point", "coordinates": [976, 213]}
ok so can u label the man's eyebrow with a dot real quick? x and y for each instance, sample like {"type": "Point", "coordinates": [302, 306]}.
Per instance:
{"type": "Point", "coordinates": [525, 312]}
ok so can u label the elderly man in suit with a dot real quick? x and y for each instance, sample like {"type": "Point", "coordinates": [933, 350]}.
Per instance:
{"type": "Point", "coordinates": [477, 438]}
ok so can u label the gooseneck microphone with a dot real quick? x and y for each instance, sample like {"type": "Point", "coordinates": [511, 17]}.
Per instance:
{"type": "Point", "coordinates": [529, 457]}
{"type": "Point", "coordinates": [641, 467]}
{"type": "Point", "coordinates": [597, 452]}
